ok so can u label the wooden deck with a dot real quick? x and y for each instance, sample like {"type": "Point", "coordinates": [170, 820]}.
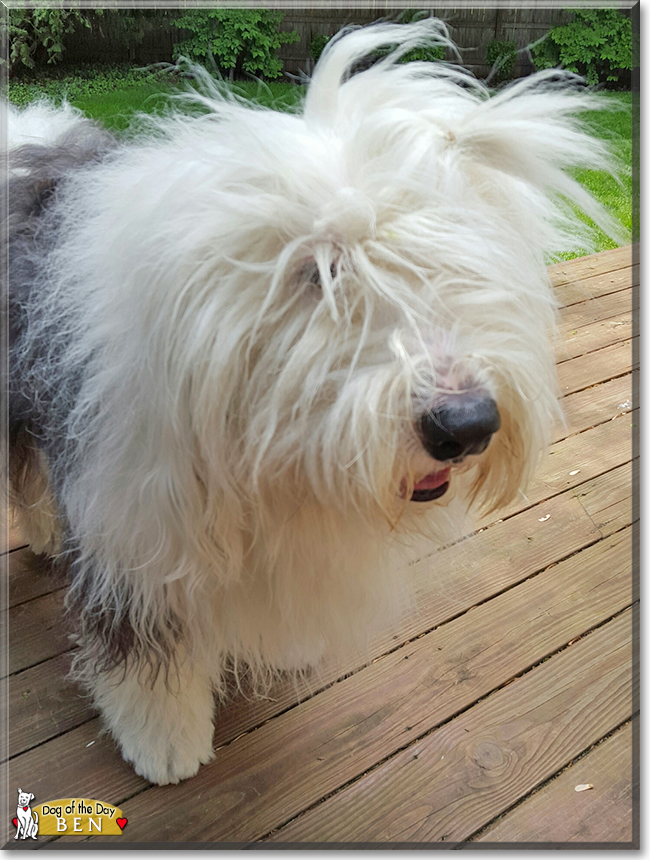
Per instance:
{"type": "Point", "coordinates": [512, 685]}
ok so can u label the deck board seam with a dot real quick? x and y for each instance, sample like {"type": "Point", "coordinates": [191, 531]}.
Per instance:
{"type": "Point", "coordinates": [39, 596]}
{"type": "Point", "coordinates": [38, 663]}
{"type": "Point", "coordinates": [422, 558]}
{"type": "Point", "coordinates": [14, 549]}
{"type": "Point", "coordinates": [51, 738]}
{"type": "Point", "coordinates": [590, 385]}
{"type": "Point", "coordinates": [593, 298]}
{"type": "Point", "coordinates": [629, 337]}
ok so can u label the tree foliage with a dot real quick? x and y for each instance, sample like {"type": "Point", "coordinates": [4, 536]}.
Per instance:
{"type": "Point", "coordinates": [37, 36]}
{"type": "Point", "coordinates": [596, 44]}
{"type": "Point", "coordinates": [239, 40]}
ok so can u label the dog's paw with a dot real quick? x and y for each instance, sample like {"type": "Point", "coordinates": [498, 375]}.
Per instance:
{"type": "Point", "coordinates": [164, 729]}
{"type": "Point", "coordinates": [170, 761]}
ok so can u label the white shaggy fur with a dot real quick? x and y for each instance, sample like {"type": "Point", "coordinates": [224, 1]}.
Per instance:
{"type": "Point", "coordinates": [259, 306]}
{"type": "Point", "coordinates": [40, 122]}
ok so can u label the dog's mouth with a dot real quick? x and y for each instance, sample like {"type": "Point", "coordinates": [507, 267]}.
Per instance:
{"type": "Point", "coordinates": [432, 486]}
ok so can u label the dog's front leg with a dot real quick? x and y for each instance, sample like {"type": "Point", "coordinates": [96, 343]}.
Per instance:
{"type": "Point", "coordinates": [162, 721]}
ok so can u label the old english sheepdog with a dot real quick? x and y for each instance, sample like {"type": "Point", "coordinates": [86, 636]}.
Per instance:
{"type": "Point", "coordinates": [252, 352]}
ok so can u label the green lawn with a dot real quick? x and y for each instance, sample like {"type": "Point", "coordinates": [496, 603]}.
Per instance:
{"type": "Point", "coordinates": [115, 110]}
{"type": "Point", "coordinates": [113, 97]}
{"type": "Point", "coordinates": [614, 126]}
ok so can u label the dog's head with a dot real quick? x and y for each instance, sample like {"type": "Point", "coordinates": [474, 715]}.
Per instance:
{"type": "Point", "coordinates": [370, 316]}
{"type": "Point", "coordinates": [24, 798]}
{"type": "Point", "coordinates": [345, 307]}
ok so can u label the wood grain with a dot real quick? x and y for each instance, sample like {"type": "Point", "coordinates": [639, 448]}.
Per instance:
{"type": "Point", "coordinates": [556, 565]}
{"type": "Point", "coordinates": [608, 500]}
{"type": "Point", "coordinates": [80, 763]}
{"type": "Point", "coordinates": [557, 813]}
{"type": "Point", "coordinates": [592, 336]}
{"type": "Point", "coordinates": [595, 405]}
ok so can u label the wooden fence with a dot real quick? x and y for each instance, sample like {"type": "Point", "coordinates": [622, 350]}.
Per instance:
{"type": "Point", "coordinates": [471, 29]}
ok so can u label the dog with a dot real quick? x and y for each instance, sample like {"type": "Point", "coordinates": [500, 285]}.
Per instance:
{"type": "Point", "coordinates": [27, 826]}
{"type": "Point", "coordinates": [254, 354]}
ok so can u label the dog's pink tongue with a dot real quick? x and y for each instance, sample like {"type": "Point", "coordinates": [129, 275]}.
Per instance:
{"type": "Point", "coordinates": [433, 481]}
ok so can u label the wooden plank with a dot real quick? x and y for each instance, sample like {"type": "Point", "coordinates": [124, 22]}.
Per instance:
{"type": "Point", "coordinates": [447, 785]}
{"type": "Point", "coordinates": [573, 344]}
{"type": "Point", "coordinates": [608, 500]}
{"type": "Point", "coordinates": [270, 774]}
{"type": "Point", "coordinates": [36, 631]}
{"type": "Point", "coordinates": [243, 706]}
{"type": "Point", "coordinates": [590, 288]}
{"type": "Point", "coordinates": [614, 360]}
{"type": "Point", "coordinates": [557, 813]}
{"type": "Point", "coordinates": [593, 264]}
{"type": "Point", "coordinates": [592, 336]}
{"type": "Point", "coordinates": [43, 703]}
{"type": "Point", "coordinates": [595, 405]}
{"type": "Point", "coordinates": [31, 576]}
{"type": "Point", "coordinates": [595, 310]}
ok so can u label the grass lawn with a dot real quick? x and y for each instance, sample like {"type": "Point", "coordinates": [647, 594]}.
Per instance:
{"type": "Point", "coordinates": [614, 126]}
{"type": "Point", "coordinates": [116, 109]}
{"type": "Point", "coordinates": [115, 98]}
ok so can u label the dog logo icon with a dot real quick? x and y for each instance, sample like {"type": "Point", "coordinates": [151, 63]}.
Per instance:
{"type": "Point", "coordinates": [25, 821]}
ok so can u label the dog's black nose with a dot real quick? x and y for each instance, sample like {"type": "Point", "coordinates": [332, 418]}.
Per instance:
{"type": "Point", "coordinates": [463, 424]}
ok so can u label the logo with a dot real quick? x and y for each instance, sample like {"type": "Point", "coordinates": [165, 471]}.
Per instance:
{"type": "Point", "coordinates": [26, 821]}
{"type": "Point", "coordinates": [73, 815]}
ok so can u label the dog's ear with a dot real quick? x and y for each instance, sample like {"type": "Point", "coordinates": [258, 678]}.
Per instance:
{"type": "Point", "coordinates": [31, 796]}
{"type": "Point", "coordinates": [20, 791]}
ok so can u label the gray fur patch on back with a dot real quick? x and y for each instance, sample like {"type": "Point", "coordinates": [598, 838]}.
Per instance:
{"type": "Point", "coordinates": [33, 174]}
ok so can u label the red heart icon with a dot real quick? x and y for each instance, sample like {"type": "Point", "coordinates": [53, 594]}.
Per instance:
{"type": "Point", "coordinates": [25, 808]}
{"type": "Point", "coordinates": [15, 821]}
{"type": "Point", "coordinates": [121, 823]}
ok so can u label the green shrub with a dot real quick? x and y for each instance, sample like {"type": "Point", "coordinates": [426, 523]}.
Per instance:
{"type": "Point", "coordinates": [501, 57]}
{"type": "Point", "coordinates": [37, 36]}
{"type": "Point", "coordinates": [82, 82]}
{"type": "Point", "coordinates": [596, 44]}
{"type": "Point", "coordinates": [317, 45]}
{"type": "Point", "coordinates": [239, 40]}
{"type": "Point", "coordinates": [427, 54]}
